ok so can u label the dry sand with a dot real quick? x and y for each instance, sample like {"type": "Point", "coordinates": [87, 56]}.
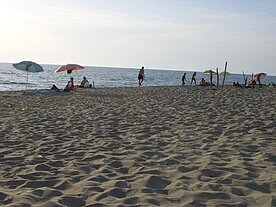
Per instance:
{"type": "Point", "coordinates": [149, 146]}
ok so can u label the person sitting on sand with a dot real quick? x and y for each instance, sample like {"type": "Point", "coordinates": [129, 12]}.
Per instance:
{"type": "Point", "coordinates": [202, 82]}
{"type": "Point", "coordinates": [55, 88]}
{"type": "Point", "coordinates": [271, 84]}
{"type": "Point", "coordinates": [238, 84]}
{"type": "Point", "coordinates": [67, 87]}
{"type": "Point", "coordinates": [70, 85]}
{"type": "Point", "coordinates": [259, 80]}
{"type": "Point", "coordinates": [85, 83]}
{"type": "Point", "coordinates": [251, 84]}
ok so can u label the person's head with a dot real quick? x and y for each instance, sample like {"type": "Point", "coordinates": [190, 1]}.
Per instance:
{"type": "Point", "coordinates": [202, 79]}
{"type": "Point", "coordinates": [143, 67]}
{"type": "Point", "coordinates": [84, 78]}
{"type": "Point", "coordinates": [184, 73]}
{"type": "Point", "coordinates": [72, 79]}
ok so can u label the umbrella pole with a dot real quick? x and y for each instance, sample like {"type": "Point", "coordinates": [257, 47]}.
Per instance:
{"type": "Point", "coordinates": [217, 78]}
{"type": "Point", "coordinates": [211, 79]}
{"type": "Point", "coordinates": [245, 81]}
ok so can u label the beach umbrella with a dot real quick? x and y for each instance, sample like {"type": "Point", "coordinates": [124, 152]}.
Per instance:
{"type": "Point", "coordinates": [28, 66]}
{"type": "Point", "coordinates": [69, 68]}
{"type": "Point", "coordinates": [209, 72]}
{"type": "Point", "coordinates": [226, 73]}
{"type": "Point", "coordinates": [259, 76]}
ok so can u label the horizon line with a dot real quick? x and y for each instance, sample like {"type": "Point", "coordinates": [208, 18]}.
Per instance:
{"type": "Point", "coordinates": [150, 68]}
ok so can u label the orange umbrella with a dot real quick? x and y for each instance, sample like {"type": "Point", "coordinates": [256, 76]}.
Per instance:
{"type": "Point", "coordinates": [69, 68]}
{"type": "Point", "coordinates": [259, 76]}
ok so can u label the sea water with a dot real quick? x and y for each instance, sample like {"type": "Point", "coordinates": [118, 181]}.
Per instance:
{"type": "Point", "coordinates": [12, 79]}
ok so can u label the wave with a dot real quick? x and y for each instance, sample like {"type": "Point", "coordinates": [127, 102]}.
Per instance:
{"type": "Point", "coordinates": [7, 73]}
{"type": "Point", "coordinates": [15, 83]}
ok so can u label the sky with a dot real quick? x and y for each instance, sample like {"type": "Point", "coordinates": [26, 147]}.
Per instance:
{"type": "Point", "coordinates": [158, 34]}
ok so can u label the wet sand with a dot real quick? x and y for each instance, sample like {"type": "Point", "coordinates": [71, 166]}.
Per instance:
{"type": "Point", "coordinates": [148, 146]}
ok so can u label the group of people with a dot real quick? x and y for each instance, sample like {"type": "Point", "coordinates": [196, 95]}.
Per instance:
{"type": "Point", "coordinates": [193, 80]}
{"type": "Point", "coordinates": [249, 84]}
{"type": "Point", "coordinates": [71, 86]}
{"type": "Point", "coordinates": [141, 76]}
{"type": "Point", "coordinates": [184, 79]}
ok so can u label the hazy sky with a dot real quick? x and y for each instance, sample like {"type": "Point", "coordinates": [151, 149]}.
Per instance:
{"type": "Point", "coordinates": [172, 34]}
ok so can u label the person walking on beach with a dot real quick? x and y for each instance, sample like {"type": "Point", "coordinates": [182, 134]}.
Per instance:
{"type": "Point", "coordinates": [184, 79]}
{"type": "Point", "coordinates": [141, 76]}
{"type": "Point", "coordinates": [193, 78]}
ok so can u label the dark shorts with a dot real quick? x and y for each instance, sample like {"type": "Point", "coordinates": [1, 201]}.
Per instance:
{"type": "Point", "coordinates": [140, 77]}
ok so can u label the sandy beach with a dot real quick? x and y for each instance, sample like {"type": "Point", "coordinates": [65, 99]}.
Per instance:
{"type": "Point", "coordinates": [148, 146]}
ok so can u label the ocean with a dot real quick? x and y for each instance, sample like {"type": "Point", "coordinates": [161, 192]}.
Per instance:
{"type": "Point", "coordinates": [12, 79]}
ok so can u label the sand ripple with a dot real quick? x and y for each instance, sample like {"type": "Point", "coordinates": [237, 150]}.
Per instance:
{"type": "Point", "coordinates": [156, 146]}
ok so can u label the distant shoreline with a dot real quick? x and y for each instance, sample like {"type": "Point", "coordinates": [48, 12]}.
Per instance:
{"type": "Point", "coordinates": [198, 87]}
{"type": "Point", "coordinates": [137, 68]}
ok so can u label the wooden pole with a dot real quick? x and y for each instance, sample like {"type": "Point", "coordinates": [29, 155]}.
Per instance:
{"type": "Point", "coordinates": [245, 81]}
{"type": "Point", "coordinates": [252, 80]}
{"type": "Point", "coordinates": [27, 79]}
{"type": "Point", "coordinates": [224, 74]}
{"type": "Point", "coordinates": [217, 77]}
{"type": "Point", "coordinates": [211, 79]}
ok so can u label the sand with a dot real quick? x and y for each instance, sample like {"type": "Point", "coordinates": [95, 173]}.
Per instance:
{"type": "Point", "coordinates": [148, 146]}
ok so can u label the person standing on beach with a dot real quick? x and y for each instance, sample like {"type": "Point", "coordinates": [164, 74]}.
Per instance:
{"type": "Point", "coordinates": [184, 79]}
{"type": "Point", "coordinates": [141, 76]}
{"type": "Point", "coordinates": [193, 78]}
